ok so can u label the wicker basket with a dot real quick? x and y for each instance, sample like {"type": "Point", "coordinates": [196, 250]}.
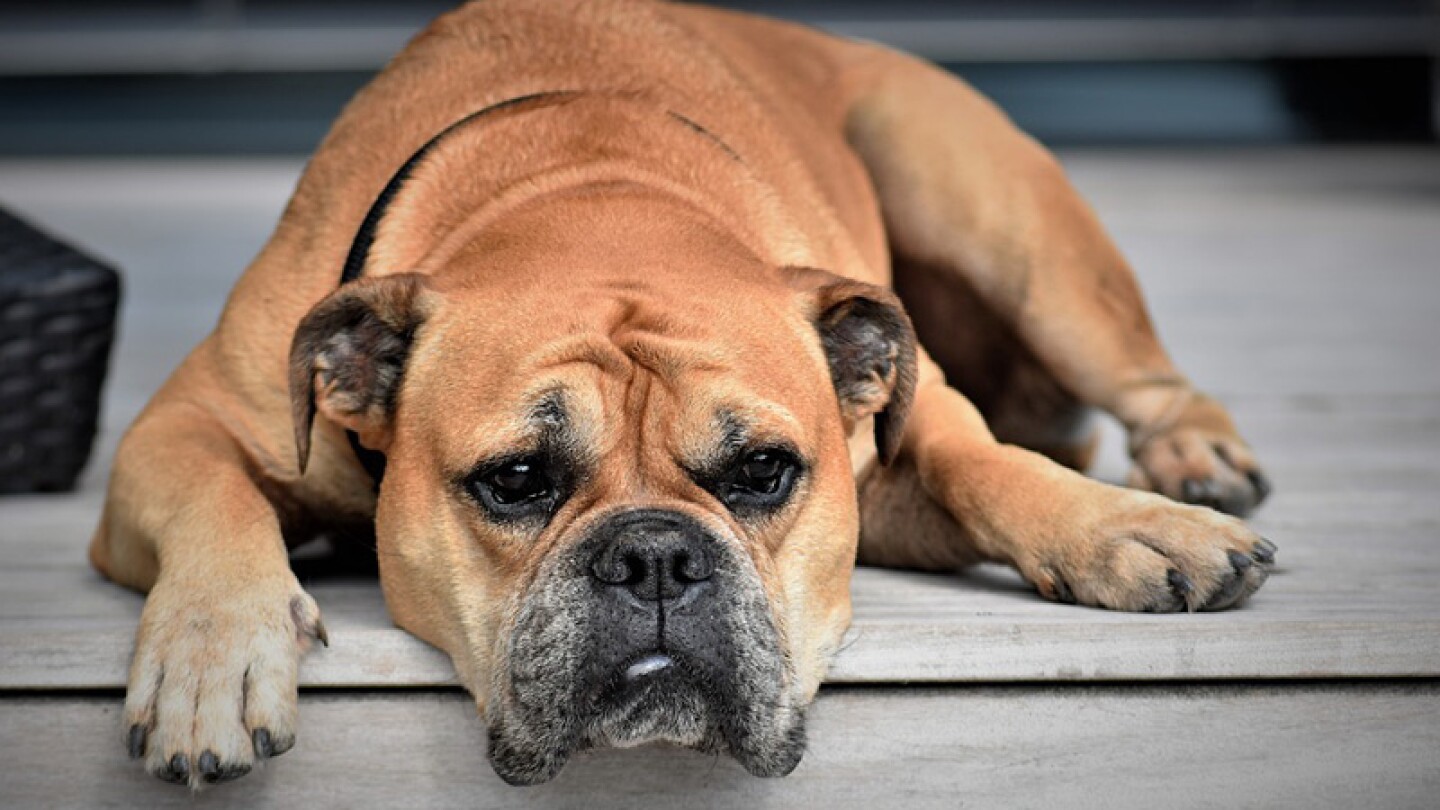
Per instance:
{"type": "Point", "coordinates": [57, 318]}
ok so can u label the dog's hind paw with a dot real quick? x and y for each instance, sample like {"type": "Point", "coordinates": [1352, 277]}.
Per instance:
{"type": "Point", "coordinates": [1195, 456]}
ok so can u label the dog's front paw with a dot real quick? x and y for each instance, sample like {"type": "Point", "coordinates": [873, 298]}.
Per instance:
{"type": "Point", "coordinates": [214, 681]}
{"type": "Point", "coordinates": [1197, 457]}
{"type": "Point", "coordinates": [1144, 553]}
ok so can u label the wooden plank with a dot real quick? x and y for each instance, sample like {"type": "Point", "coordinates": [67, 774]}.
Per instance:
{"type": "Point", "coordinates": [1335, 608]}
{"type": "Point", "coordinates": [1103, 747]}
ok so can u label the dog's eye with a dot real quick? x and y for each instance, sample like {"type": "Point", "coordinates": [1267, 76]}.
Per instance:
{"type": "Point", "coordinates": [515, 487]}
{"type": "Point", "coordinates": [762, 479]}
{"type": "Point", "coordinates": [518, 481]}
{"type": "Point", "coordinates": [762, 472]}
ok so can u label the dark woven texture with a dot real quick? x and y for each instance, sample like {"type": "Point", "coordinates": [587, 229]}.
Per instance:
{"type": "Point", "coordinates": [57, 318]}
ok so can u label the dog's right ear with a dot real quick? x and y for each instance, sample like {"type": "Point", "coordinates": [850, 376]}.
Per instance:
{"type": "Point", "coordinates": [349, 354]}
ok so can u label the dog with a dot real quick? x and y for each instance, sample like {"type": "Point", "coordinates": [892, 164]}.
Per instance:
{"type": "Point", "coordinates": [627, 329]}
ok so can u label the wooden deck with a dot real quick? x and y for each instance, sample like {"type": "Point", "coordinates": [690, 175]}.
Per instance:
{"type": "Point", "coordinates": [1301, 287]}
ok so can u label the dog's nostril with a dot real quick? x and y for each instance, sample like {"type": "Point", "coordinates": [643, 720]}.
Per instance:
{"type": "Point", "coordinates": [637, 570]}
{"type": "Point", "coordinates": [693, 567]}
{"type": "Point", "coordinates": [616, 569]}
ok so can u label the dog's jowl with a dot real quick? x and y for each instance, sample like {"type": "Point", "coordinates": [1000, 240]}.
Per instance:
{"type": "Point", "coordinates": [628, 328]}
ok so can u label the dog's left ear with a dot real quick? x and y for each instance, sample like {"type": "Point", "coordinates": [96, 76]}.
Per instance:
{"type": "Point", "coordinates": [870, 346]}
{"type": "Point", "coordinates": [349, 353]}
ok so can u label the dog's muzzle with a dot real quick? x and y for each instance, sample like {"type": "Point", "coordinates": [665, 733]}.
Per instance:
{"type": "Point", "coordinates": [649, 629]}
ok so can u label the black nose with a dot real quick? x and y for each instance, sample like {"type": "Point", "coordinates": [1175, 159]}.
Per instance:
{"type": "Point", "coordinates": [653, 554]}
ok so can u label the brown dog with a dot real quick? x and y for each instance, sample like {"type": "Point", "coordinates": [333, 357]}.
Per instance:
{"type": "Point", "coordinates": [621, 330]}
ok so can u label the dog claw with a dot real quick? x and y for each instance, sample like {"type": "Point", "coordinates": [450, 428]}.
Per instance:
{"type": "Point", "coordinates": [1191, 490]}
{"type": "Point", "coordinates": [1063, 592]}
{"type": "Point", "coordinates": [261, 738]}
{"type": "Point", "coordinates": [307, 618]}
{"type": "Point", "coordinates": [172, 777]}
{"type": "Point", "coordinates": [1179, 582]}
{"type": "Point", "coordinates": [1206, 493]}
{"type": "Point", "coordinates": [214, 773]}
{"type": "Point", "coordinates": [1239, 561]}
{"type": "Point", "coordinates": [1261, 485]}
{"type": "Point", "coordinates": [1054, 587]}
{"type": "Point", "coordinates": [136, 742]}
{"type": "Point", "coordinates": [232, 773]}
{"type": "Point", "coordinates": [1264, 551]}
{"type": "Point", "coordinates": [1181, 586]}
{"type": "Point", "coordinates": [179, 771]}
{"type": "Point", "coordinates": [209, 766]}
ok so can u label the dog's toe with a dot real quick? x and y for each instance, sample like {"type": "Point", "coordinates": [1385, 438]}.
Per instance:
{"type": "Point", "coordinates": [213, 770]}
{"type": "Point", "coordinates": [175, 769]}
{"type": "Point", "coordinates": [135, 742]}
{"type": "Point", "coordinates": [1195, 467]}
{"type": "Point", "coordinates": [209, 766]}
{"type": "Point", "coordinates": [1248, 571]}
{"type": "Point", "coordinates": [1264, 552]}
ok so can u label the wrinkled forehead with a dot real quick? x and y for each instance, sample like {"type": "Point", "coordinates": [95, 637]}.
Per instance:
{"type": "Point", "coordinates": [594, 367]}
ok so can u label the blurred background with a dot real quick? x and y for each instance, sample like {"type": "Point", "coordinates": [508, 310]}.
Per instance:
{"type": "Point", "coordinates": [1245, 154]}
{"type": "Point", "coordinates": [265, 77]}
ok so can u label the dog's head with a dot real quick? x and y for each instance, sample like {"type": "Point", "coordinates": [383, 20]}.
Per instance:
{"type": "Point", "coordinates": [618, 489]}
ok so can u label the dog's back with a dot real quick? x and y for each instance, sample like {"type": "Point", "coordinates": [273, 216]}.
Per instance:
{"type": "Point", "coordinates": [770, 91]}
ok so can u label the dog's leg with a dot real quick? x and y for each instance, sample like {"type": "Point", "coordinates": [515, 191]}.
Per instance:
{"type": "Point", "coordinates": [954, 495]}
{"type": "Point", "coordinates": [213, 682]}
{"type": "Point", "coordinates": [969, 197]}
{"type": "Point", "coordinates": [1021, 400]}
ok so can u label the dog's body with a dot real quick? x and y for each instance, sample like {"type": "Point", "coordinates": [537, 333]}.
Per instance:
{"type": "Point", "coordinates": [591, 341]}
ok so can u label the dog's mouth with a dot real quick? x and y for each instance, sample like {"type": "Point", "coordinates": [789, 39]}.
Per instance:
{"type": "Point", "coordinates": [656, 699]}
{"type": "Point", "coordinates": [588, 669]}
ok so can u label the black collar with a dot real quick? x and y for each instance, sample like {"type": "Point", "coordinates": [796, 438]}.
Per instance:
{"type": "Point", "coordinates": [365, 237]}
